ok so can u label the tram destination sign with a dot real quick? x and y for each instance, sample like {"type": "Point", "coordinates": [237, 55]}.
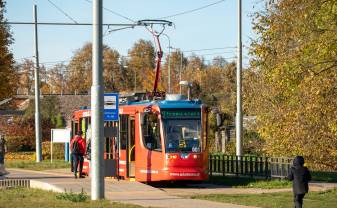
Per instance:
{"type": "Point", "coordinates": [181, 114]}
{"type": "Point", "coordinates": [111, 107]}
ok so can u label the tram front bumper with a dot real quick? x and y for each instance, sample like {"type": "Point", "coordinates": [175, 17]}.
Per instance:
{"type": "Point", "coordinates": [180, 173]}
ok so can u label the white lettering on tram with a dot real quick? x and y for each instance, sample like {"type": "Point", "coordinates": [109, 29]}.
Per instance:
{"type": "Point", "coordinates": [122, 162]}
{"type": "Point", "coordinates": [121, 169]}
{"type": "Point", "coordinates": [149, 171]}
{"type": "Point", "coordinates": [185, 174]}
{"type": "Point", "coordinates": [86, 114]}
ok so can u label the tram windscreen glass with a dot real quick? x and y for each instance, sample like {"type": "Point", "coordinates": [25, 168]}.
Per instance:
{"type": "Point", "coordinates": [182, 131]}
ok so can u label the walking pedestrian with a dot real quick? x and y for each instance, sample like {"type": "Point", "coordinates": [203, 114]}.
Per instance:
{"type": "Point", "coordinates": [2, 154]}
{"type": "Point", "coordinates": [78, 146]}
{"type": "Point", "coordinates": [300, 176]}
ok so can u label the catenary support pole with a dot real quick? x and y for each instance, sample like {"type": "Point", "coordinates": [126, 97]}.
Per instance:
{"type": "Point", "coordinates": [97, 90]}
{"type": "Point", "coordinates": [37, 93]}
{"type": "Point", "coordinates": [169, 68]}
{"type": "Point", "coordinates": [238, 126]}
{"type": "Point", "coordinates": [169, 65]}
{"type": "Point", "coordinates": [180, 69]}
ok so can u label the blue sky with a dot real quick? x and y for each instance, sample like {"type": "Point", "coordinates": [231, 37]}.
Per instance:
{"type": "Point", "coordinates": [212, 27]}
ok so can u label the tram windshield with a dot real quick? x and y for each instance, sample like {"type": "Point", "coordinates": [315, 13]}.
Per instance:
{"type": "Point", "coordinates": [182, 131]}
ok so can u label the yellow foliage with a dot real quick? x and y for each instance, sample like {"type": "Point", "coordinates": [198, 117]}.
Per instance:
{"type": "Point", "coordinates": [20, 156]}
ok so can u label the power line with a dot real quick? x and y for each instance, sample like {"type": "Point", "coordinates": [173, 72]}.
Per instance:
{"type": "Point", "coordinates": [192, 10]}
{"type": "Point", "coordinates": [58, 8]}
{"type": "Point", "coordinates": [210, 54]}
{"type": "Point", "coordinates": [115, 13]}
{"type": "Point", "coordinates": [66, 24]}
{"type": "Point", "coordinates": [209, 49]}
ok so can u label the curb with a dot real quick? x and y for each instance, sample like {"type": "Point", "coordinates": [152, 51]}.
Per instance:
{"type": "Point", "coordinates": [45, 186]}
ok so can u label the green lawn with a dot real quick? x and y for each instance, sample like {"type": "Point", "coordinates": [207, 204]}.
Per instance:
{"type": "Point", "coordinates": [32, 165]}
{"type": "Point", "coordinates": [250, 182]}
{"type": "Point", "coordinates": [28, 198]}
{"type": "Point", "coordinates": [327, 199]}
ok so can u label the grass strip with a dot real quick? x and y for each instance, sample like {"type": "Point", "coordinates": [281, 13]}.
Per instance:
{"type": "Point", "coordinates": [27, 198]}
{"type": "Point", "coordinates": [32, 165]}
{"type": "Point", "coordinates": [327, 199]}
{"type": "Point", "coordinates": [250, 182]}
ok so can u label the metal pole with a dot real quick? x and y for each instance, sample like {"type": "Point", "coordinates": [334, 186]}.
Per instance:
{"type": "Point", "coordinates": [97, 100]}
{"type": "Point", "coordinates": [181, 68]}
{"type": "Point", "coordinates": [135, 84]}
{"type": "Point", "coordinates": [62, 81]}
{"type": "Point", "coordinates": [169, 68]}
{"type": "Point", "coordinates": [37, 93]}
{"type": "Point", "coordinates": [238, 88]}
{"type": "Point", "coordinates": [169, 65]}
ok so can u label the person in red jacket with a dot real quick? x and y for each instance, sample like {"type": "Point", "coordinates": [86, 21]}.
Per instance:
{"type": "Point", "coordinates": [78, 146]}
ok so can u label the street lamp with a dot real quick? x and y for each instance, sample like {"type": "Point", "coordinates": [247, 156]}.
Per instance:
{"type": "Point", "coordinates": [169, 64]}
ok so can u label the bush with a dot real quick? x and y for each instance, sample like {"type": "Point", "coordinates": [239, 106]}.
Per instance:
{"type": "Point", "coordinates": [19, 143]}
{"type": "Point", "coordinates": [58, 150]}
{"type": "Point", "coordinates": [81, 197]}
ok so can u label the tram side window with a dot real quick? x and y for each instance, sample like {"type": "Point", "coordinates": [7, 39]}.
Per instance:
{"type": "Point", "coordinates": [151, 132]}
{"type": "Point", "coordinates": [124, 130]}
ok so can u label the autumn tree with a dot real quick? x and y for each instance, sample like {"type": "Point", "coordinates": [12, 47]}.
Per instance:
{"type": "Point", "coordinates": [294, 80]}
{"type": "Point", "coordinates": [57, 78]}
{"type": "Point", "coordinates": [177, 65]}
{"type": "Point", "coordinates": [79, 70]}
{"type": "Point", "coordinates": [141, 65]}
{"type": "Point", "coordinates": [219, 61]}
{"type": "Point", "coordinates": [113, 73]}
{"type": "Point", "coordinates": [8, 81]}
{"type": "Point", "coordinates": [25, 71]}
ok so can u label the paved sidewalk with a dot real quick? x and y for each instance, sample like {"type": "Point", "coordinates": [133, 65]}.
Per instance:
{"type": "Point", "coordinates": [120, 191]}
{"type": "Point", "coordinates": [202, 189]}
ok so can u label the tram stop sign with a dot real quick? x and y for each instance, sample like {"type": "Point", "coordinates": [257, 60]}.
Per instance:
{"type": "Point", "coordinates": [110, 106]}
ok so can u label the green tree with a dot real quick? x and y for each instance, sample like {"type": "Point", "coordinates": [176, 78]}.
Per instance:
{"type": "Point", "coordinates": [8, 82]}
{"type": "Point", "coordinates": [294, 80]}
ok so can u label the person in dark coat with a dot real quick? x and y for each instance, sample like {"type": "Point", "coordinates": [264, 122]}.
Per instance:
{"type": "Point", "coordinates": [300, 176]}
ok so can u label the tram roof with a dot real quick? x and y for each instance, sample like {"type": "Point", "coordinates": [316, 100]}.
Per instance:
{"type": "Point", "coordinates": [170, 103]}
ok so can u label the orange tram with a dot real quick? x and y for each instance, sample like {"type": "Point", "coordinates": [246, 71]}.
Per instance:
{"type": "Point", "coordinates": [160, 140]}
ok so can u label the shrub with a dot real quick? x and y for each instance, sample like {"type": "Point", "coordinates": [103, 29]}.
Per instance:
{"type": "Point", "coordinates": [58, 150]}
{"type": "Point", "coordinates": [19, 143]}
{"type": "Point", "coordinates": [70, 196]}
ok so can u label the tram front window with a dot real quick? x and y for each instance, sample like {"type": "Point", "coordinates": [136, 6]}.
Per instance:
{"type": "Point", "coordinates": [182, 135]}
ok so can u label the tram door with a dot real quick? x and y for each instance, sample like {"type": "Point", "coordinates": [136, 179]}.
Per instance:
{"type": "Point", "coordinates": [131, 148]}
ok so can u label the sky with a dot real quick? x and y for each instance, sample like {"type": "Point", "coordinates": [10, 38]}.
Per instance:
{"type": "Point", "coordinates": [212, 27]}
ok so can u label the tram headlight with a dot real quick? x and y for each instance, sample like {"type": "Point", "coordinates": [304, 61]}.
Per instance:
{"type": "Point", "coordinates": [171, 156]}
{"type": "Point", "coordinates": [195, 156]}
